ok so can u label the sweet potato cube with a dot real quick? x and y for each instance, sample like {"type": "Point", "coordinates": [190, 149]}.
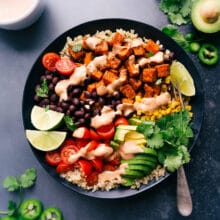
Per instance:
{"type": "Point", "coordinates": [156, 89]}
{"type": "Point", "coordinates": [139, 51]}
{"type": "Point", "coordinates": [114, 62]}
{"type": "Point", "coordinates": [151, 46]}
{"type": "Point", "coordinates": [128, 91]}
{"type": "Point", "coordinates": [97, 75]}
{"type": "Point", "coordinates": [149, 75]}
{"type": "Point", "coordinates": [88, 58]}
{"type": "Point", "coordinates": [127, 101]}
{"type": "Point", "coordinates": [102, 48]}
{"type": "Point", "coordinates": [149, 92]}
{"type": "Point", "coordinates": [91, 87]}
{"type": "Point", "coordinates": [163, 70]}
{"type": "Point", "coordinates": [135, 83]}
{"type": "Point", "coordinates": [109, 77]}
{"type": "Point", "coordinates": [118, 38]}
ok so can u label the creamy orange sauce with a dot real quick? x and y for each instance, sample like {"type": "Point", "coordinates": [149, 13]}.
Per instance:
{"type": "Point", "coordinates": [150, 104]}
{"type": "Point", "coordinates": [128, 149]}
{"type": "Point", "coordinates": [111, 176]}
{"type": "Point", "coordinates": [77, 78]}
{"type": "Point", "coordinates": [92, 42]}
{"type": "Point", "coordinates": [101, 151]}
{"type": "Point", "coordinates": [156, 58]}
{"type": "Point", "coordinates": [106, 117]}
{"type": "Point", "coordinates": [137, 42]}
{"type": "Point", "coordinates": [13, 9]}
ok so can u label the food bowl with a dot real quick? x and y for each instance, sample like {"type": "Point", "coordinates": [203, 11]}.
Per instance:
{"type": "Point", "coordinates": [18, 14]}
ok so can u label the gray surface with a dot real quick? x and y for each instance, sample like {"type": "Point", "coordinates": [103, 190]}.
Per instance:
{"type": "Point", "coordinates": [18, 51]}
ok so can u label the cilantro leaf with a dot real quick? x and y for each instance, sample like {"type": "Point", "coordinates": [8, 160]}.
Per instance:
{"type": "Point", "coordinates": [177, 18]}
{"type": "Point", "coordinates": [27, 179]}
{"type": "Point", "coordinates": [77, 47]}
{"type": "Point", "coordinates": [172, 162]}
{"type": "Point", "coordinates": [71, 125]}
{"type": "Point", "coordinates": [156, 141]}
{"type": "Point", "coordinates": [43, 90]}
{"type": "Point", "coordinates": [11, 183]}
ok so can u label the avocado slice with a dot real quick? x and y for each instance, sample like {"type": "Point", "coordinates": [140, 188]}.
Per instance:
{"type": "Point", "coordinates": [141, 156]}
{"type": "Point", "coordinates": [135, 174]}
{"type": "Point", "coordinates": [134, 121]}
{"type": "Point", "coordinates": [149, 151]}
{"type": "Point", "coordinates": [205, 15]}
{"type": "Point", "coordinates": [128, 181]}
{"type": "Point", "coordinates": [121, 131]}
{"type": "Point", "coordinates": [133, 135]}
{"type": "Point", "coordinates": [140, 167]}
{"type": "Point", "coordinates": [144, 162]}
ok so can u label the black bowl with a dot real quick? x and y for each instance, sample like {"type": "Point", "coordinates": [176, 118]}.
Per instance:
{"type": "Point", "coordinates": [91, 27]}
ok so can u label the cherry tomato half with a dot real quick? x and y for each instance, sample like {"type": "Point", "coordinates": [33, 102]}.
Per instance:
{"type": "Point", "coordinates": [92, 179]}
{"type": "Point", "coordinates": [97, 164]}
{"type": "Point", "coordinates": [53, 157]}
{"type": "Point", "coordinates": [49, 60]}
{"type": "Point", "coordinates": [84, 166]}
{"type": "Point", "coordinates": [94, 135]}
{"type": "Point", "coordinates": [65, 66]}
{"type": "Point", "coordinates": [106, 131]}
{"type": "Point", "coordinates": [92, 145]}
{"type": "Point", "coordinates": [67, 151]}
{"type": "Point", "coordinates": [63, 167]}
{"type": "Point", "coordinates": [121, 121]}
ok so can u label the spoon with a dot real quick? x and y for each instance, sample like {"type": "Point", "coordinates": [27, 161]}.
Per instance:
{"type": "Point", "coordinates": [184, 200]}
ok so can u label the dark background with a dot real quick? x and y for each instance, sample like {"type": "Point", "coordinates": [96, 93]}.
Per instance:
{"type": "Point", "coordinates": [18, 52]}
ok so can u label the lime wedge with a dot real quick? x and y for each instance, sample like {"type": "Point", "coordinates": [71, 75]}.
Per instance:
{"type": "Point", "coordinates": [45, 140]}
{"type": "Point", "coordinates": [44, 120]}
{"type": "Point", "coordinates": [181, 79]}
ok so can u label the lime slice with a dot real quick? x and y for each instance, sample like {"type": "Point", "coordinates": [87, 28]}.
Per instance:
{"type": "Point", "coordinates": [45, 140]}
{"type": "Point", "coordinates": [44, 120]}
{"type": "Point", "coordinates": [181, 79]}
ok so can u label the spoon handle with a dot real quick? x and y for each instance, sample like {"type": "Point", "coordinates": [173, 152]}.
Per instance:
{"type": "Point", "coordinates": [184, 200]}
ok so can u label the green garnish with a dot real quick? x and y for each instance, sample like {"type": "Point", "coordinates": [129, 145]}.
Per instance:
{"type": "Point", "coordinates": [77, 47]}
{"type": "Point", "coordinates": [43, 90]}
{"type": "Point", "coordinates": [170, 137]}
{"type": "Point", "coordinates": [71, 125]}
{"type": "Point", "coordinates": [178, 11]}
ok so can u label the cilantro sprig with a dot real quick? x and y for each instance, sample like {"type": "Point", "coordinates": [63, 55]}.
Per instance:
{"type": "Point", "coordinates": [170, 136]}
{"type": "Point", "coordinates": [43, 90]}
{"type": "Point", "coordinates": [178, 11]}
{"type": "Point", "coordinates": [70, 124]}
{"type": "Point", "coordinates": [18, 184]}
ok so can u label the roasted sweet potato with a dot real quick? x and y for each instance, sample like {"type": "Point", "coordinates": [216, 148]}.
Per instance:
{"type": "Point", "coordinates": [149, 92]}
{"type": "Point", "coordinates": [151, 46]}
{"type": "Point", "coordinates": [113, 61]}
{"type": "Point", "coordinates": [163, 70]}
{"type": "Point", "coordinates": [109, 77]}
{"type": "Point", "coordinates": [118, 38]}
{"type": "Point", "coordinates": [87, 58]}
{"type": "Point", "coordinates": [135, 83]}
{"type": "Point", "coordinates": [97, 75]}
{"type": "Point", "coordinates": [139, 51]}
{"type": "Point", "coordinates": [128, 91]}
{"type": "Point", "coordinates": [149, 75]}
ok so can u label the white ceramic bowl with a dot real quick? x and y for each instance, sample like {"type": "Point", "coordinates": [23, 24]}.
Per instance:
{"type": "Point", "coordinates": [19, 14]}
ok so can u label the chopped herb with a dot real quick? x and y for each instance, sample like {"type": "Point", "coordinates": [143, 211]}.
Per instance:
{"type": "Point", "coordinates": [158, 82]}
{"type": "Point", "coordinates": [47, 108]}
{"type": "Point", "coordinates": [170, 137]}
{"type": "Point", "coordinates": [77, 47]}
{"type": "Point", "coordinates": [71, 125]}
{"type": "Point", "coordinates": [43, 90]}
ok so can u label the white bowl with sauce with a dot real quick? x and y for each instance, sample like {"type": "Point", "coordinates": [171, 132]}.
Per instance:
{"type": "Point", "coordinates": [19, 14]}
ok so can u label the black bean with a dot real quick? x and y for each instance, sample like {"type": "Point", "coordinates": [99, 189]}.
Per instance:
{"type": "Point", "coordinates": [95, 112]}
{"type": "Point", "coordinates": [94, 95]}
{"type": "Point", "coordinates": [72, 108]}
{"type": "Point", "coordinates": [42, 78]}
{"type": "Point", "coordinates": [51, 86]}
{"type": "Point", "coordinates": [68, 112]}
{"type": "Point", "coordinates": [52, 107]}
{"type": "Point", "coordinates": [47, 72]}
{"type": "Point", "coordinates": [87, 115]}
{"type": "Point", "coordinates": [64, 105]}
{"type": "Point", "coordinates": [101, 101]}
{"type": "Point", "coordinates": [76, 91]}
{"type": "Point", "coordinates": [70, 89]}
{"type": "Point", "coordinates": [78, 113]}
{"type": "Point", "coordinates": [82, 102]}
{"type": "Point", "coordinates": [87, 94]}
{"type": "Point", "coordinates": [59, 109]}
{"type": "Point", "coordinates": [45, 101]}
{"type": "Point", "coordinates": [36, 98]}
{"type": "Point", "coordinates": [75, 101]}
{"type": "Point", "coordinates": [82, 120]}
{"type": "Point", "coordinates": [117, 95]}
{"type": "Point", "coordinates": [49, 77]}
{"type": "Point", "coordinates": [55, 80]}
{"type": "Point", "coordinates": [54, 97]}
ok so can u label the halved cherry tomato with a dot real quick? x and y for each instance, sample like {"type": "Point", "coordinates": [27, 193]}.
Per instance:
{"type": "Point", "coordinates": [94, 135]}
{"type": "Point", "coordinates": [81, 142]}
{"type": "Point", "coordinates": [81, 132]}
{"type": "Point", "coordinates": [92, 179]}
{"type": "Point", "coordinates": [106, 131]}
{"type": "Point", "coordinates": [53, 157]}
{"type": "Point", "coordinates": [67, 151]}
{"type": "Point", "coordinates": [65, 66]}
{"type": "Point", "coordinates": [97, 164]}
{"type": "Point", "coordinates": [68, 141]}
{"type": "Point", "coordinates": [85, 167]}
{"type": "Point", "coordinates": [109, 167]}
{"type": "Point", "coordinates": [92, 145]}
{"type": "Point", "coordinates": [49, 60]}
{"type": "Point", "coordinates": [63, 167]}
{"type": "Point", "coordinates": [121, 121]}
{"type": "Point", "coordinates": [116, 161]}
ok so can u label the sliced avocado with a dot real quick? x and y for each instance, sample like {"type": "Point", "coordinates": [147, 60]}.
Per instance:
{"type": "Point", "coordinates": [121, 130]}
{"type": "Point", "coordinates": [134, 121]}
{"type": "Point", "coordinates": [133, 135]}
{"type": "Point", "coordinates": [128, 181]}
{"type": "Point", "coordinates": [205, 15]}
{"type": "Point", "coordinates": [141, 156]}
{"type": "Point", "coordinates": [135, 161]}
{"type": "Point", "coordinates": [149, 151]}
{"type": "Point", "coordinates": [135, 174]}
{"type": "Point", "coordinates": [140, 167]}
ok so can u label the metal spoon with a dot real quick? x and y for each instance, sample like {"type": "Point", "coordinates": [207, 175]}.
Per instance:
{"type": "Point", "coordinates": [184, 200]}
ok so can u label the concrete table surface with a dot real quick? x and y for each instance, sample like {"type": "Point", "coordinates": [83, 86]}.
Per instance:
{"type": "Point", "coordinates": [18, 51]}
